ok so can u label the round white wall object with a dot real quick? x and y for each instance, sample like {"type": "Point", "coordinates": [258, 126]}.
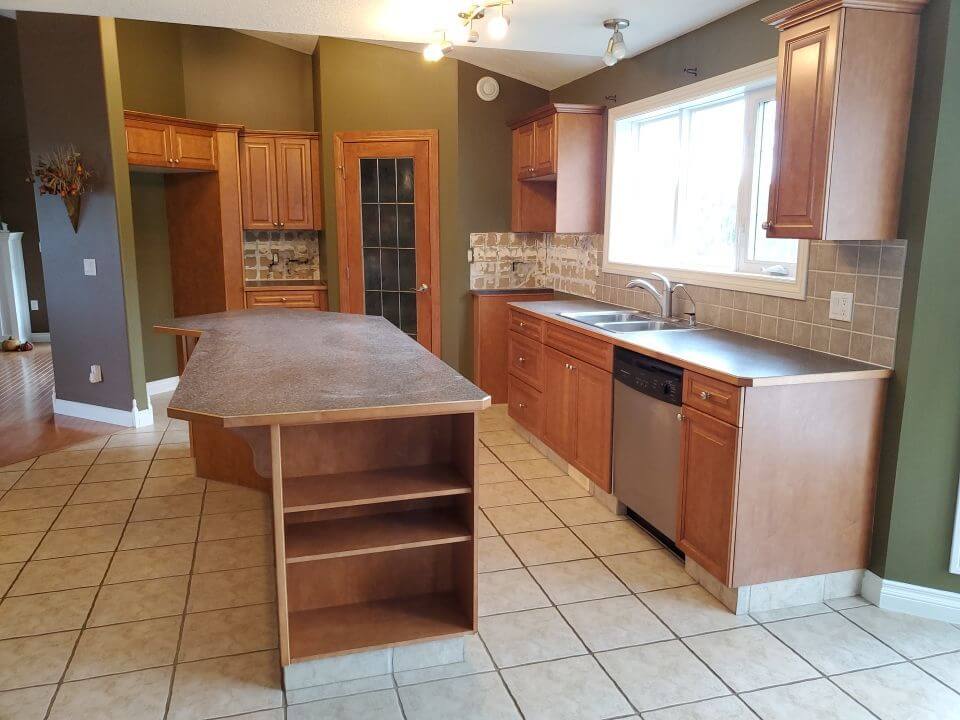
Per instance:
{"type": "Point", "coordinates": [488, 88]}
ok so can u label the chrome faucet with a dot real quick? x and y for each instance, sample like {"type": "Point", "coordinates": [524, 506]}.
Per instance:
{"type": "Point", "coordinates": [664, 298]}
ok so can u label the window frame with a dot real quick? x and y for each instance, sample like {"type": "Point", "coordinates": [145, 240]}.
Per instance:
{"type": "Point", "coordinates": [756, 78]}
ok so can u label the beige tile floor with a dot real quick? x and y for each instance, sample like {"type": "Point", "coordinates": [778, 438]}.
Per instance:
{"type": "Point", "coordinates": [132, 589]}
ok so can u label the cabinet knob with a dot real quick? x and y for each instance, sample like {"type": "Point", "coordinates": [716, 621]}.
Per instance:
{"type": "Point", "coordinates": [767, 225]}
{"type": "Point", "coordinates": [521, 406]}
{"type": "Point", "coordinates": [680, 417]}
{"type": "Point", "coordinates": [281, 224]}
{"type": "Point", "coordinates": [522, 324]}
{"type": "Point", "coordinates": [283, 299]}
{"type": "Point", "coordinates": [176, 160]}
{"type": "Point", "coordinates": [521, 359]}
{"type": "Point", "coordinates": [568, 366]}
{"type": "Point", "coordinates": [704, 395]}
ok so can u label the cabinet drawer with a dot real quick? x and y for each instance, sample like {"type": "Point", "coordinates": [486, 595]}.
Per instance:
{"type": "Point", "coordinates": [525, 359]}
{"type": "Point", "coordinates": [525, 405]}
{"type": "Point", "coordinates": [716, 398]}
{"type": "Point", "coordinates": [285, 298]}
{"type": "Point", "coordinates": [583, 347]}
{"type": "Point", "coordinates": [526, 325]}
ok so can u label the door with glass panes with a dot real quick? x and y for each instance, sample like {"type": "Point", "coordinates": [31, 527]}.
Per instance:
{"type": "Point", "coordinates": [387, 220]}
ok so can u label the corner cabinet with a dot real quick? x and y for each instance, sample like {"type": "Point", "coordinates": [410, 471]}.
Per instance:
{"type": "Point", "coordinates": [280, 181]}
{"type": "Point", "coordinates": [168, 143]}
{"type": "Point", "coordinates": [557, 175]}
{"type": "Point", "coordinates": [844, 88]}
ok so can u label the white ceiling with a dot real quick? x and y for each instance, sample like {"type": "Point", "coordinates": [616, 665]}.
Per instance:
{"type": "Point", "coordinates": [550, 42]}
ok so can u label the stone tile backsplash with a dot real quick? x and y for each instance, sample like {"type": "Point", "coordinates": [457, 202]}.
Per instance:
{"type": "Point", "coordinates": [871, 270]}
{"type": "Point", "coordinates": [281, 255]}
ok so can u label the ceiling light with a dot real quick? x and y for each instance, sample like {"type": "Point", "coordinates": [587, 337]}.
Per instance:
{"type": "Point", "coordinates": [499, 24]}
{"type": "Point", "coordinates": [437, 49]}
{"type": "Point", "coordinates": [616, 47]}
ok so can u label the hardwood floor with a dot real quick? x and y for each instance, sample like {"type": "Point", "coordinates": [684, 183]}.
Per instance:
{"type": "Point", "coordinates": [28, 426]}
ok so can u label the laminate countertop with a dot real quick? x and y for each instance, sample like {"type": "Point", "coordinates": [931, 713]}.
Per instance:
{"type": "Point", "coordinates": [732, 357]}
{"type": "Point", "coordinates": [269, 366]}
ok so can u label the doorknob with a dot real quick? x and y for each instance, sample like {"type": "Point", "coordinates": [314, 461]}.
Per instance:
{"type": "Point", "coordinates": [422, 288]}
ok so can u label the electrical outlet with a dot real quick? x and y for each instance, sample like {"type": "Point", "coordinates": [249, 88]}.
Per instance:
{"type": "Point", "coordinates": [470, 255]}
{"type": "Point", "coordinates": [841, 306]}
{"type": "Point", "coordinates": [89, 266]}
{"type": "Point", "coordinates": [34, 304]}
{"type": "Point", "coordinates": [96, 375]}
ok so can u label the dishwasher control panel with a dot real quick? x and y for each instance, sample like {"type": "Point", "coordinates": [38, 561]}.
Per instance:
{"type": "Point", "coordinates": [651, 377]}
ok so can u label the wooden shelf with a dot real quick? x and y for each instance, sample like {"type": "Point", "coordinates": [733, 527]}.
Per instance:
{"type": "Point", "coordinates": [371, 625]}
{"type": "Point", "coordinates": [343, 537]}
{"type": "Point", "coordinates": [321, 492]}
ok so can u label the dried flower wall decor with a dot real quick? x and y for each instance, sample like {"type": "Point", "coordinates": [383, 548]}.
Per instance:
{"type": "Point", "coordinates": [63, 173]}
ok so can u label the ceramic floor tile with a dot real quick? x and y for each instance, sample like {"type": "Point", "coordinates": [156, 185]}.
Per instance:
{"type": "Point", "coordinates": [150, 563]}
{"type": "Point", "coordinates": [229, 632]}
{"type": "Point", "coordinates": [533, 469]}
{"type": "Point", "coordinates": [529, 636]}
{"type": "Point", "coordinates": [649, 570]}
{"type": "Point", "coordinates": [382, 704]}
{"type": "Point", "coordinates": [18, 466]}
{"type": "Point", "coordinates": [173, 450]}
{"type": "Point", "coordinates": [547, 546]}
{"type": "Point", "coordinates": [19, 548]}
{"type": "Point", "coordinates": [485, 528]}
{"type": "Point", "coordinates": [124, 455]}
{"type": "Point", "coordinates": [141, 695]}
{"type": "Point", "coordinates": [902, 691]}
{"type": "Point", "coordinates": [486, 457]}
{"type": "Point", "coordinates": [24, 521]}
{"type": "Point", "coordinates": [175, 437]}
{"type": "Point", "coordinates": [833, 644]}
{"type": "Point", "coordinates": [818, 699]}
{"type": "Point", "coordinates": [495, 473]}
{"type": "Point", "coordinates": [140, 600]}
{"type": "Point", "coordinates": [66, 458]}
{"type": "Point", "coordinates": [9, 479]}
{"type": "Point", "coordinates": [105, 491]}
{"type": "Point", "coordinates": [117, 471]}
{"type": "Point", "coordinates": [574, 687]}
{"type": "Point", "coordinates": [750, 658]}
{"type": "Point", "coordinates": [27, 703]}
{"type": "Point", "coordinates": [234, 553]}
{"type": "Point", "coordinates": [79, 541]}
{"type": "Point", "coordinates": [236, 501]}
{"type": "Point", "coordinates": [176, 466]}
{"type": "Point", "coordinates": [36, 660]}
{"type": "Point", "coordinates": [500, 437]}
{"type": "Point", "coordinates": [129, 439]}
{"type": "Point", "coordinates": [39, 576]}
{"type": "Point", "coordinates": [846, 603]}
{"type": "Point", "coordinates": [494, 554]}
{"type": "Point", "coordinates": [91, 444]}
{"type": "Point", "coordinates": [945, 668]}
{"type": "Point", "coordinates": [121, 648]}
{"type": "Point", "coordinates": [226, 686]}
{"type": "Point", "coordinates": [474, 697]}
{"type": "Point", "coordinates": [555, 488]}
{"type": "Point", "coordinates": [724, 708]}
{"type": "Point", "coordinates": [152, 533]}
{"type": "Point", "coordinates": [508, 591]}
{"type": "Point", "coordinates": [661, 674]}
{"type": "Point", "coordinates": [488, 423]}
{"type": "Point", "coordinates": [90, 514]}
{"type": "Point", "coordinates": [767, 616]}
{"type": "Point", "coordinates": [45, 613]}
{"type": "Point", "coordinates": [612, 538]}
{"type": "Point", "coordinates": [580, 511]}
{"type": "Point", "coordinates": [911, 636]}
{"type": "Point", "coordinates": [522, 518]}
{"type": "Point", "coordinates": [520, 451]}
{"type": "Point", "coordinates": [505, 493]}
{"type": "Point", "coordinates": [51, 477]}
{"type": "Point", "coordinates": [614, 622]}
{"type": "Point", "coordinates": [46, 497]}
{"type": "Point", "coordinates": [570, 582]}
{"type": "Point", "coordinates": [475, 660]}
{"type": "Point", "coordinates": [173, 485]}
{"type": "Point", "coordinates": [8, 573]}
{"type": "Point", "coordinates": [232, 588]}
{"type": "Point", "coordinates": [692, 610]}
{"type": "Point", "coordinates": [171, 506]}
{"type": "Point", "coordinates": [248, 523]}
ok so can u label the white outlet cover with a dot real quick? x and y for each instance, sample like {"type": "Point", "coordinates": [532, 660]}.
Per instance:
{"type": "Point", "coordinates": [89, 266]}
{"type": "Point", "coordinates": [841, 306]}
{"type": "Point", "coordinates": [34, 304]}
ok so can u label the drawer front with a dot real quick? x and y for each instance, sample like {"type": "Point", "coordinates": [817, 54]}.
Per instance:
{"type": "Point", "coordinates": [526, 325]}
{"type": "Point", "coordinates": [525, 359]}
{"type": "Point", "coordinates": [525, 405]}
{"type": "Point", "coordinates": [288, 298]}
{"type": "Point", "coordinates": [583, 347]}
{"type": "Point", "coordinates": [713, 397]}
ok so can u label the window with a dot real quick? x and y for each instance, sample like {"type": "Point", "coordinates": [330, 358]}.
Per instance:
{"type": "Point", "coordinates": [689, 176]}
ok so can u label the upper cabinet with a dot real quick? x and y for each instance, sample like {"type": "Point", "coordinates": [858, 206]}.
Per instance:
{"type": "Point", "coordinates": [844, 88]}
{"type": "Point", "coordinates": [558, 166]}
{"type": "Point", "coordinates": [158, 141]}
{"type": "Point", "coordinates": [280, 181]}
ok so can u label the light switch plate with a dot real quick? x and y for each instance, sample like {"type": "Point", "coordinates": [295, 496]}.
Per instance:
{"type": "Point", "coordinates": [841, 306]}
{"type": "Point", "coordinates": [89, 266]}
{"type": "Point", "coordinates": [34, 304]}
{"type": "Point", "coordinates": [96, 375]}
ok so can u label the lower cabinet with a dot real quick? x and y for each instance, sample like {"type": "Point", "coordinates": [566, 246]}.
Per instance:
{"type": "Point", "coordinates": [316, 299]}
{"type": "Point", "coordinates": [560, 402]}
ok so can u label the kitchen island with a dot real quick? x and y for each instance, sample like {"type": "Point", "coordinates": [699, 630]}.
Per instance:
{"type": "Point", "coordinates": [367, 443]}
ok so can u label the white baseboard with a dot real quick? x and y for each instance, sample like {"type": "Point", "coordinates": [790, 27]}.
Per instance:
{"type": "Point", "coordinates": [164, 385]}
{"type": "Point", "coordinates": [912, 599]}
{"type": "Point", "coordinates": [126, 418]}
{"type": "Point", "coordinates": [39, 337]}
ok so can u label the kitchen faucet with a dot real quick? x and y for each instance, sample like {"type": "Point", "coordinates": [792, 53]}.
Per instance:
{"type": "Point", "coordinates": [664, 299]}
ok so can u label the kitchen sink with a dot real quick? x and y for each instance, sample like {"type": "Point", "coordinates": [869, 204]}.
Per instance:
{"type": "Point", "coordinates": [638, 326]}
{"type": "Point", "coordinates": [624, 321]}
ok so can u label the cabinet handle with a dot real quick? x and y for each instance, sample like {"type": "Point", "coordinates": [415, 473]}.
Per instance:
{"type": "Point", "coordinates": [704, 395]}
{"type": "Point", "coordinates": [767, 225]}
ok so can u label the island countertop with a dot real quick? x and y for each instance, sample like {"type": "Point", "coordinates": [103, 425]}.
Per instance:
{"type": "Point", "coordinates": [283, 366]}
{"type": "Point", "coordinates": [728, 356]}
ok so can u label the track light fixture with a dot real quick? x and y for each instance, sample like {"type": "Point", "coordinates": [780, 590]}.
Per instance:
{"type": "Point", "coordinates": [440, 46]}
{"type": "Point", "coordinates": [616, 48]}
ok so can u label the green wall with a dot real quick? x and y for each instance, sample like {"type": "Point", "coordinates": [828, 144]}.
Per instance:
{"type": "Point", "coordinates": [151, 67]}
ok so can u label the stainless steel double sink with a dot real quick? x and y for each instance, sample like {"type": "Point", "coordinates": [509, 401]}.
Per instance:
{"type": "Point", "coordinates": [625, 321]}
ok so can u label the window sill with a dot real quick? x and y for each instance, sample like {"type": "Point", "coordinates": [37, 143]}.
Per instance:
{"type": "Point", "coordinates": [795, 288]}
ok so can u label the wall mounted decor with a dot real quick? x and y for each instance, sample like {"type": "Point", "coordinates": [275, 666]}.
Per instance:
{"type": "Point", "coordinates": [63, 173]}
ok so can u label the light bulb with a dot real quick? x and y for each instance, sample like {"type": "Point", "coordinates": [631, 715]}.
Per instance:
{"type": "Point", "coordinates": [498, 26]}
{"type": "Point", "coordinates": [432, 52]}
{"type": "Point", "coordinates": [609, 59]}
{"type": "Point", "coordinates": [619, 48]}
{"type": "Point", "coordinates": [460, 33]}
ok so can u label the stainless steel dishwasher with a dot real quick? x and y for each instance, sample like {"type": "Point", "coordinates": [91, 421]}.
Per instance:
{"type": "Point", "coordinates": [646, 438]}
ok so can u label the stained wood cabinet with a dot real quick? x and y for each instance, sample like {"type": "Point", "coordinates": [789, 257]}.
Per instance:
{"type": "Point", "coordinates": [156, 141]}
{"type": "Point", "coordinates": [280, 181]}
{"type": "Point", "coordinates": [560, 402]}
{"type": "Point", "coordinates": [841, 126]}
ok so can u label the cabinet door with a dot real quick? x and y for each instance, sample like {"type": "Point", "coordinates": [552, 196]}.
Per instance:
{"type": "Point", "coordinates": [258, 184]}
{"type": "Point", "coordinates": [193, 148]}
{"type": "Point", "coordinates": [525, 150]}
{"type": "Point", "coordinates": [708, 480]}
{"type": "Point", "coordinates": [294, 184]}
{"type": "Point", "coordinates": [148, 143]}
{"type": "Point", "coordinates": [594, 423]}
{"type": "Point", "coordinates": [806, 77]}
{"type": "Point", "coordinates": [560, 402]}
{"type": "Point", "coordinates": [545, 146]}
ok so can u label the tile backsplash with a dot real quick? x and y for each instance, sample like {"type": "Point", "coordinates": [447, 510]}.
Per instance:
{"type": "Point", "coordinates": [871, 270]}
{"type": "Point", "coordinates": [281, 255]}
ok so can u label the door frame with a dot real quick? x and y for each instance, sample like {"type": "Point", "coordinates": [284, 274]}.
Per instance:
{"type": "Point", "coordinates": [432, 137]}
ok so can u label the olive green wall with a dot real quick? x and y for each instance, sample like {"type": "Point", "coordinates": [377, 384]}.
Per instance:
{"type": "Point", "coordinates": [151, 67]}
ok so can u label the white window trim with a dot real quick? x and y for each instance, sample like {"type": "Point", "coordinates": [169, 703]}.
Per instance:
{"type": "Point", "coordinates": [765, 284]}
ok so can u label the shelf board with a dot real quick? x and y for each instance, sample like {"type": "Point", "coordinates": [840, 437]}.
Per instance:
{"type": "Point", "coordinates": [343, 537]}
{"type": "Point", "coordinates": [320, 492]}
{"type": "Point", "coordinates": [372, 625]}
